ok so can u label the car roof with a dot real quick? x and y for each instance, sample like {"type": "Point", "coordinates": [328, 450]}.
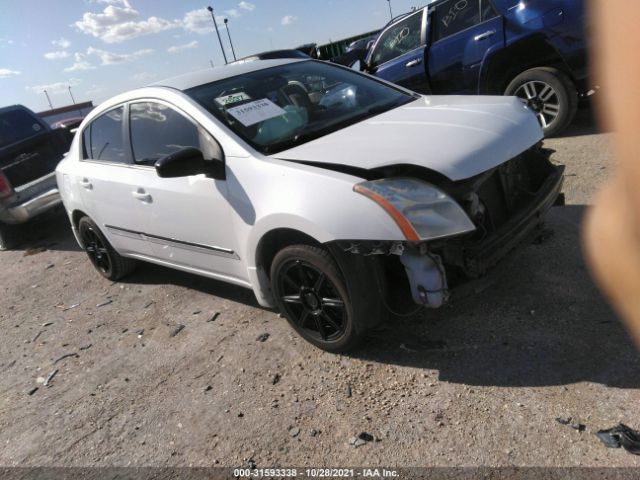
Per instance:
{"type": "Point", "coordinates": [201, 77]}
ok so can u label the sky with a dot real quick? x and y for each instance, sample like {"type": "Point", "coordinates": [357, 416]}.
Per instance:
{"type": "Point", "coordinates": [101, 48]}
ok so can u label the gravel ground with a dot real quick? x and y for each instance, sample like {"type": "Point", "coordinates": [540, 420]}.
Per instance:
{"type": "Point", "coordinates": [165, 369]}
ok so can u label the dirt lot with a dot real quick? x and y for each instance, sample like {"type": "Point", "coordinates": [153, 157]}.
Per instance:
{"type": "Point", "coordinates": [480, 382]}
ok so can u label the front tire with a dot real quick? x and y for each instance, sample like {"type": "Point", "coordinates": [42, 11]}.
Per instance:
{"type": "Point", "coordinates": [551, 95]}
{"type": "Point", "coordinates": [312, 295]}
{"type": "Point", "coordinates": [109, 263]}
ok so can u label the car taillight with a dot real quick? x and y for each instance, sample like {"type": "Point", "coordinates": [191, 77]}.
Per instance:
{"type": "Point", "coordinates": [6, 190]}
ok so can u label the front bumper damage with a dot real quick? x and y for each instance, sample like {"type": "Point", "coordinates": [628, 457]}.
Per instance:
{"type": "Point", "coordinates": [515, 202]}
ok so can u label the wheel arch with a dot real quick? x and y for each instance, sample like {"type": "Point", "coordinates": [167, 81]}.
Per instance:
{"type": "Point", "coordinates": [530, 52]}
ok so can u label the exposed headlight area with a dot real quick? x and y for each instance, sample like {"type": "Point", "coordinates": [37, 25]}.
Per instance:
{"type": "Point", "coordinates": [421, 210]}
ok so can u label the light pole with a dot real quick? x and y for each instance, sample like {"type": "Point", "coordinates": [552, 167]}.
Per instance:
{"type": "Point", "coordinates": [226, 24]}
{"type": "Point", "coordinates": [390, 12]}
{"type": "Point", "coordinates": [48, 100]}
{"type": "Point", "coordinates": [72, 99]}
{"type": "Point", "coordinates": [215, 24]}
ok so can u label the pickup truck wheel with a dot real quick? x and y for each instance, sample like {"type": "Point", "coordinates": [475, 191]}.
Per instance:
{"type": "Point", "coordinates": [8, 236]}
{"type": "Point", "coordinates": [104, 258]}
{"type": "Point", "coordinates": [312, 295]}
{"type": "Point", "coordinates": [550, 94]}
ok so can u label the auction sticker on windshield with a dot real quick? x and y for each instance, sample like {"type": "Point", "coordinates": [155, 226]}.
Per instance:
{"type": "Point", "coordinates": [255, 112]}
{"type": "Point", "coordinates": [233, 98]}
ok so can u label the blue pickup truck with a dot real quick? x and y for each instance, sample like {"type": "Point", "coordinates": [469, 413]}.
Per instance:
{"type": "Point", "coordinates": [534, 49]}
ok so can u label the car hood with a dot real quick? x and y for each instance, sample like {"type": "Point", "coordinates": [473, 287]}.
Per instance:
{"type": "Point", "coordinates": [456, 136]}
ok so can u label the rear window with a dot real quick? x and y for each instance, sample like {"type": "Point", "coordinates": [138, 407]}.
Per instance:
{"type": "Point", "coordinates": [16, 125]}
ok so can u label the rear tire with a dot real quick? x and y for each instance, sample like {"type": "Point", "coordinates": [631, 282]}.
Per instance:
{"type": "Point", "coordinates": [550, 93]}
{"type": "Point", "coordinates": [9, 237]}
{"type": "Point", "coordinates": [109, 263]}
{"type": "Point", "coordinates": [313, 296]}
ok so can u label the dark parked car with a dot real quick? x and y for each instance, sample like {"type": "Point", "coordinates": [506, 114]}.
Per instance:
{"type": "Point", "coordinates": [272, 55]}
{"type": "Point", "coordinates": [535, 50]}
{"type": "Point", "coordinates": [29, 153]}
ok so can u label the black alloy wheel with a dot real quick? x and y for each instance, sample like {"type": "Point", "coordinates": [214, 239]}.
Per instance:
{"type": "Point", "coordinates": [95, 249]}
{"type": "Point", "coordinates": [312, 294]}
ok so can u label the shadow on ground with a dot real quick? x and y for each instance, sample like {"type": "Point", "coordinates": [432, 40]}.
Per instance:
{"type": "Point", "coordinates": [50, 230]}
{"type": "Point", "coordinates": [543, 322]}
{"type": "Point", "coordinates": [584, 123]}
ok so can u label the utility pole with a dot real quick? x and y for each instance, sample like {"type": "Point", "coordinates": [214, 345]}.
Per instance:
{"type": "Point", "coordinates": [390, 12]}
{"type": "Point", "coordinates": [226, 24]}
{"type": "Point", "coordinates": [215, 24]}
{"type": "Point", "coordinates": [48, 100]}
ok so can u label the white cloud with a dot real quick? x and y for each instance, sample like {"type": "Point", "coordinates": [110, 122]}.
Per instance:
{"type": "Point", "coordinates": [199, 21]}
{"type": "Point", "coordinates": [119, 23]}
{"type": "Point", "coordinates": [143, 76]}
{"type": "Point", "coordinates": [81, 63]}
{"type": "Point", "coordinates": [249, 7]}
{"type": "Point", "coordinates": [234, 13]}
{"type": "Point", "coordinates": [62, 43]}
{"type": "Point", "coordinates": [287, 20]}
{"type": "Point", "coordinates": [55, 87]}
{"type": "Point", "coordinates": [57, 55]}
{"type": "Point", "coordinates": [110, 58]}
{"type": "Point", "coordinates": [180, 48]}
{"type": "Point", "coordinates": [6, 72]}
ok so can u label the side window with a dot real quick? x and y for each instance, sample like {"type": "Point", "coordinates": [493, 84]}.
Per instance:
{"type": "Point", "coordinates": [487, 11]}
{"type": "Point", "coordinates": [102, 139]}
{"type": "Point", "coordinates": [403, 37]}
{"type": "Point", "coordinates": [158, 130]}
{"type": "Point", "coordinates": [453, 16]}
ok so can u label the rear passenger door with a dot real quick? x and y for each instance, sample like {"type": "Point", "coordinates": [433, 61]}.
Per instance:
{"type": "Point", "coordinates": [463, 33]}
{"type": "Point", "coordinates": [399, 53]}
{"type": "Point", "coordinates": [112, 189]}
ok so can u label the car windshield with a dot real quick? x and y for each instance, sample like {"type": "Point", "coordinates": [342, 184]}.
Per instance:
{"type": "Point", "coordinates": [281, 107]}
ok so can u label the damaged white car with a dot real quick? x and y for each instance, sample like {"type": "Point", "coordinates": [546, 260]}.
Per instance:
{"type": "Point", "coordinates": [318, 187]}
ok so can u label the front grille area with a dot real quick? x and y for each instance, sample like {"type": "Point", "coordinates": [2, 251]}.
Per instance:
{"type": "Point", "coordinates": [500, 203]}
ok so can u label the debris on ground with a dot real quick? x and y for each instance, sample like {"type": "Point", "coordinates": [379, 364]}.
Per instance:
{"type": "Point", "coordinates": [563, 421]}
{"type": "Point", "coordinates": [275, 379]}
{"type": "Point", "coordinates": [294, 431]}
{"type": "Point", "coordinates": [361, 439]}
{"type": "Point", "coordinates": [47, 324]}
{"type": "Point", "coordinates": [208, 388]}
{"type": "Point", "coordinates": [37, 336]}
{"type": "Point", "coordinates": [71, 307]}
{"type": "Point", "coordinates": [214, 318]}
{"type": "Point", "coordinates": [313, 432]}
{"type": "Point", "coordinates": [51, 265]}
{"type": "Point", "coordinates": [104, 304]}
{"type": "Point", "coordinates": [66, 355]}
{"type": "Point", "coordinates": [262, 337]}
{"type": "Point", "coordinates": [579, 427]}
{"type": "Point", "coordinates": [197, 312]}
{"type": "Point", "coordinates": [148, 304]}
{"type": "Point", "coordinates": [347, 390]}
{"type": "Point", "coordinates": [49, 378]}
{"type": "Point", "coordinates": [621, 436]}
{"type": "Point", "coordinates": [177, 330]}
{"type": "Point", "coordinates": [33, 390]}
{"type": "Point", "coordinates": [86, 347]}
{"type": "Point", "coordinates": [33, 251]}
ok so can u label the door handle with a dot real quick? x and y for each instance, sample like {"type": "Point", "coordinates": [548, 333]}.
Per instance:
{"type": "Point", "coordinates": [413, 63]}
{"type": "Point", "coordinates": [141, 195]}
{"type": "Point", "coordinates": [86, 183]}
{"type": "Point", "coordinates": [482, 36]}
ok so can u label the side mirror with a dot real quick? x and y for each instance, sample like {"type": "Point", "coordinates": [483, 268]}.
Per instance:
{"type": "Point", "coordinates": [189, 161]}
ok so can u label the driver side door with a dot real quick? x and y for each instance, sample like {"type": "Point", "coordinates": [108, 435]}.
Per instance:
{"type": "Point", "coordinates": [189, 217]}
{"type": "Point", "coordinates": [399, 53]}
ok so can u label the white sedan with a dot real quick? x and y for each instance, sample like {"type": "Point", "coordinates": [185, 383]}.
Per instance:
{"type": "Point", "coordinates": [320, 188]}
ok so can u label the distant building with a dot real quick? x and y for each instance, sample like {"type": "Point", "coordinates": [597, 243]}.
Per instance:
{"type": "Point", "coordinates": [70, 111]}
